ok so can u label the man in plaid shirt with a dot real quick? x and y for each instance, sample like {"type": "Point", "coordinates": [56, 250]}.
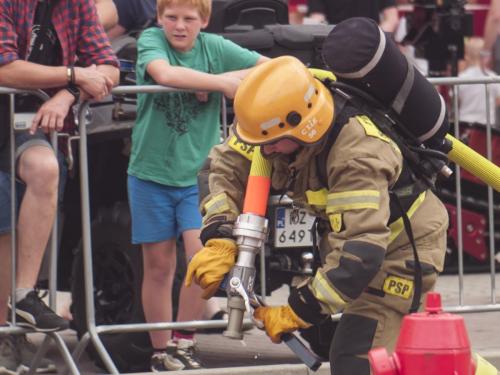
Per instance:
{"type": "Point", "coordinates": [44, 44]}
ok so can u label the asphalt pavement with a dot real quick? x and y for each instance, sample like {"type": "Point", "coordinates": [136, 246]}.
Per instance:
{"type": "Point", "coordinates": [255, 354]}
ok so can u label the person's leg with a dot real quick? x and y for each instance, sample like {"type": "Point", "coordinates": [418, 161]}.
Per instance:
{"type": "Point", "coordinates": [153, 226]}
{"type": "Point", "coordinates": [39, 170]}
{"type": "Point", "coordinates": [365, 325]}
{"type": "Point", "coordinates": [16, 352]}
{"type": "Point", "coordinates": [159, 268]}
{"type": "Point", "coordinates": [374, 318]}
{"type": "Point", "coordinates": [191, 305]}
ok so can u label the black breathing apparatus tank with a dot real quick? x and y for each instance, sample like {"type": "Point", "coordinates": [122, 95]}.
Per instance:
{"type": "Point", "coordinates": [360, 54]}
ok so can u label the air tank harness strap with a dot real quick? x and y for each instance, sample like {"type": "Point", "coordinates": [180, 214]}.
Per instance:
{"type": "Point", "coordinates": [341, 118]}
{"type": "Point", "coordinates": [417, 276]}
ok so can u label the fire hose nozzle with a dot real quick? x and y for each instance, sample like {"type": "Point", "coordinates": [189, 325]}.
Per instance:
{"type": "Point", "coordinates": [250, 231]}
{"type": "Point", "coordinates": [236, 311]}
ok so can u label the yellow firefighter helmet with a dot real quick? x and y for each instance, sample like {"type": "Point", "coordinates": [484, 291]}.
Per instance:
{"type": "Point", "coordinates": [281, 99]}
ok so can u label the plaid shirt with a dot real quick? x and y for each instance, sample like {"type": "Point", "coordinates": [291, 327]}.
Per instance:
{"type": "Point", "coordinates": [78, 29]}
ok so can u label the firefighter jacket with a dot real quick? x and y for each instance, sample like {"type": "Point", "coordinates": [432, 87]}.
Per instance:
{"type": "Point", "coordinates": [363, 236]}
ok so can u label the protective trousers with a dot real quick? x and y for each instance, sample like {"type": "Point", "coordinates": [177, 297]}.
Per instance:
{"type": "Point", "coordinates": [374, 318]}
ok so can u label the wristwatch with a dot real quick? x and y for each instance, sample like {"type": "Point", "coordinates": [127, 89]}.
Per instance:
{"type": "Point", "coordinates": [74, 90]}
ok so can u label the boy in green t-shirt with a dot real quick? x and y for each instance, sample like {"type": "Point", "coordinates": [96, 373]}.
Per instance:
{"type": "Point", "coordinates": [171, 139]}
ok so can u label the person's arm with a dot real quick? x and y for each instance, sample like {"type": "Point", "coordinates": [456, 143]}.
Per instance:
{"type": "Point", "coordinates": [27, 75]}
{"type": "Point", "coordinates": [358, 211]}
{"type": "Point", "coordinates": [389, 19]}
{"type": "Point", "coordinates": [94, 48]}
{"type": "Point", "coordinates": [111, 72]}
{"type": "Point", "coordinates": [185, 78]}
{"type": "Point", "coordinates": [108, 15]}
{"type": "Point", "coordinates": [221, 183]}
{"type": "Point", "coordinates": [52, 113]}
{"type": "Point", "coordinates": [15, 72]}
{"type": "Point", "coordinates": [243, 72]}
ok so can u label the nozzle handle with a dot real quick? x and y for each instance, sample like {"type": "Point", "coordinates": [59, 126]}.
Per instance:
{"type": "Point", "coordinates": [301, 351]}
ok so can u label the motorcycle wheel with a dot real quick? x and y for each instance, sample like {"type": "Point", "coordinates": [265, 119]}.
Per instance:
{"type": "Point", "coordinates": [117, 268]}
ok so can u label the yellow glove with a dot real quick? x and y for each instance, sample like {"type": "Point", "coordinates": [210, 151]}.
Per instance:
{"type": "Point", "coordinates": [210, 264]}
{"type": "Point", "coordinates": [278, 320]}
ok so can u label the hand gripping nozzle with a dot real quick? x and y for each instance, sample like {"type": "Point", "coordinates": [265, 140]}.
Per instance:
{"type": "Point", "coordinates": [250, 231]}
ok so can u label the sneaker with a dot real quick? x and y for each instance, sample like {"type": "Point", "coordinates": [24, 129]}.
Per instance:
{"type": "Point", "coordinates": [27, 351]}
{"type": "Point", "coordinates": [163, 361]}
{"type": "Point", "coordinates": [32, 312]}
{"type": "Point", "coordinates": [10, 361]}
{"type": "Point", "coordinates": [186, 353]}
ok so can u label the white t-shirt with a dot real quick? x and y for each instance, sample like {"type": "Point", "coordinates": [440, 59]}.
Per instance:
{"type": "Point", "coordinates": [472, 98]}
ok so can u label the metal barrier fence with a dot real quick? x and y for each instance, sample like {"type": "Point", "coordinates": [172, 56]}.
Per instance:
{"type": "Point", "coordinates": [61, 346]}
{"type": "Point", "coordinates": [94, 330]}
{"type": "Point", "coordinates": [454, 83]}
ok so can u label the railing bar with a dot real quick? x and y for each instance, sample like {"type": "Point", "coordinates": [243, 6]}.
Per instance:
{"type": "Point", "coordinates": [13, 213]}
{"type": "Point", "coordinates": [491, 213]}
{"type": "Point", "coordinates": [53, 243]}
{"type": "Point", "coordinates": [86, 241]}
{"type": "Point", "coordinates": [140, 327]}
{"type": "Point", "coordinates": [38, 355]}
{"type": "Point", "coordinates": [459, 207]}
{"type": "Point", "coordinates": [63, 349]}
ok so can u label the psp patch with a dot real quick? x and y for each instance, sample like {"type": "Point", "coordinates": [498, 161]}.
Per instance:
{"type": "Point", "coordinates": [397, 286]}
{"type": "Point", "coordinates": [241, 147]}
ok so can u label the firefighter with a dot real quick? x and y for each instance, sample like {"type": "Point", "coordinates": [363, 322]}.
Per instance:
{"type": "Point", "coordinates": [330, 158]}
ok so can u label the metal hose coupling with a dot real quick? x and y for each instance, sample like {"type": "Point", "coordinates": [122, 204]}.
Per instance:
{"type": "Point", "coordinates": [250, 231]}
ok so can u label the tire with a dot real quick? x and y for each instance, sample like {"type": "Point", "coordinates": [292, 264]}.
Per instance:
{"type": "Point", "coordinates": [117, 266]}
{"type": "Point", "coordinates": [320, 338]}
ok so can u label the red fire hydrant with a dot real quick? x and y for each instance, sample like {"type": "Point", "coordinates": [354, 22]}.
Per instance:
{"type": "Point", "coordinates": [430, 343]}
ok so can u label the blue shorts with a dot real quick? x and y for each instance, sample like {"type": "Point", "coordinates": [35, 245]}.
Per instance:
{"type": "Point", "coordinates": [160, 212]}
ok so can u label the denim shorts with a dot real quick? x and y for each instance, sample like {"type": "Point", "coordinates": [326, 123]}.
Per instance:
{"type": "Point", "coordinates": [5, 188]}
{"type": "Point", "coordinates": [160, 212]}
{"type": "Point", "coordinates": [24, 140]}
{"type": "Point", "coordinates": [5, 211]}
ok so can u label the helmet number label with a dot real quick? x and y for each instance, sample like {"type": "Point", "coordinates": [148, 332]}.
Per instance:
{"type": "Point", "coordinates": [309, 129]}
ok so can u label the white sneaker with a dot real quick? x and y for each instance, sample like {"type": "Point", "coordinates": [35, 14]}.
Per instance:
{"type": "Point", "coordinates": [165, 362]}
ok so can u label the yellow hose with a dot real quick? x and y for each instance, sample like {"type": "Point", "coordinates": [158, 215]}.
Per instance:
{"type": "Point", "coordinates": [474, 163]}
{"type": "Point", "coordinates": [322, 74]}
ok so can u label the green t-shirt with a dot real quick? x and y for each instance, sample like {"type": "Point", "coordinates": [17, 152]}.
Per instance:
{"type": "Point", "coordinates": [174, 132]}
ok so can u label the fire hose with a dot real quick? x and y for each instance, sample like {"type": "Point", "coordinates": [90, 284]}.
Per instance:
{"type": "Point", "coordinates": [250, 231]}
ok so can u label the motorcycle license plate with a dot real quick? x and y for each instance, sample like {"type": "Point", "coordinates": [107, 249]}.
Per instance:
{"type": "Point", "coordinates": [292, 227]}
